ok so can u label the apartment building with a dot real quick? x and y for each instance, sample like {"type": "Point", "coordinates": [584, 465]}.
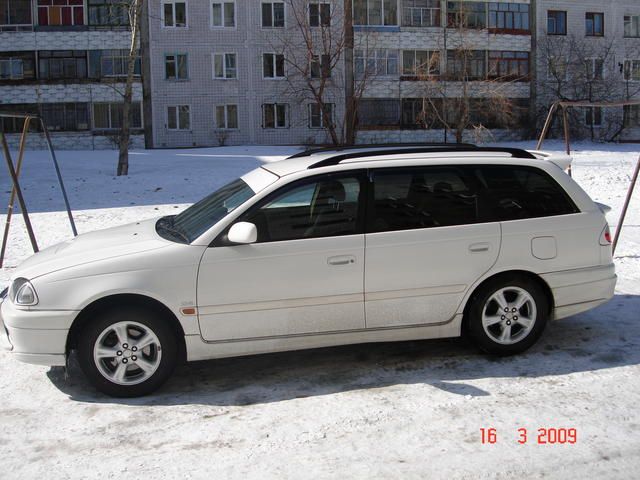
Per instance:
{"type": "Point", "coordinates": [66, 60]}
{"type": "Point", "coordinates": [590, 50]}
{"type": "Point", "coordinates": [220, 70]}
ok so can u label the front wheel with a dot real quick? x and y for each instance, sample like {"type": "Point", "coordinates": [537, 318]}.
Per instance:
{"type": "Point", "coordinates": [507, 315]}
{"type": "Point", "coordinates": [127, 352]}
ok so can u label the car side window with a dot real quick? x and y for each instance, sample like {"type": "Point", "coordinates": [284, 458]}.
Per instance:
{"type": "Point", "coordinates": [324, 207]}
{"type": "Point", "coordinates": [422, 198]}
{"type": "Point", "coordinates": [515, 192]}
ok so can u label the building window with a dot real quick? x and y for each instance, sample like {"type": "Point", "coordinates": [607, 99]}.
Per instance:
{"type": "Point", "coordinates": [378, 113]}
{"type": "Point", "coordinates": [557, 69]}
{"type": "Point", "coordinates": [17, 66]}
{"type": "Point", "coordinates": [65, 116]}
{"type": "Point", "coordinates": [593, 116]}
{"type": "Point", "coordinates": [174, 14]}
{"type": "Point", "coordinates": [556, 22]}
{"type": "Point", "coordinates": [224, 65]}
{"type": "Point", "coordinates": [223, 14]}
{"type": "Point", "coordinates": [320, 117]}
{"type": "Point", "coordinates": [15, 13]}
{"type": "Point", "coordinates": [594, 68]}
{"type": "Point", "coordinates": [631, 115]}
{"type": "Point", "coordinates": [509, 17]}
{"type": "Point", "coordinates": [178, 117]}
{"type": "Point", "coordinates": [273, 65]}
{"type": "Point", "coordinates": [273, 15]}
{"type": "Point", "coordinates": [508, 65]}
{"type": "Point", "coordinates": [319, 14]}
{"type": "Point", "coordinates": [467, 14]}
{"type": "Point", "coordinates": [632, 26]}
{"type": "Point", "coordinates": [274, 115]}
{"type": "Point", "coordinates": [375, 12]}
{"type": "Point", "coordinates": [108, 116]}
{"type": "Point", "coordinates": [375, 62]}
{"type": "Point", "coordinates": [420, 63]}
{"type": "Point", "coordinates": [320, 66]}
{"type": "Point", "coordinates": [62, 64]}
{"type": "Point", "coordinates": [111, 63]}
{"type": "Point", "coordinates": [108, 13]}
{"type": "Point", "coordinates": [421, 13]}
{"type": "Point", "coordinates": [413, 112]}
{"type": "Point", "coordinates": [632, 70]}
{"type": "Point", "coordinates": [594, 24]}
{"type": "Point", "coordinates": [176, 66]}
{"type": "Point", "coordinates": [60, 12]}
{"type": "Point", "coordinates": [466, 64]}
{"type": "Point", "coordinates": [227, 116]}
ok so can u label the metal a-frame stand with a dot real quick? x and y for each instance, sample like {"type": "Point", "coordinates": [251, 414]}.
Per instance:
{"type": "Point", "coordinates": [14, 173]}
{"type": "Point", "coordinates": [564, 105]}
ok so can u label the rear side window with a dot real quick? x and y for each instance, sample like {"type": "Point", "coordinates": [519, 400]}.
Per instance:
{"type": "Point", "coordinates": [405, 199]}
{"type": "Point", "coordinates": [513, 192]}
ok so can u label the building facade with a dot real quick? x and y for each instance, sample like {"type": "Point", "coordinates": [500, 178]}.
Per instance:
{"type": "Point", "coordinates": [590, 51]}
{"type": "Point", "coordinates": [66, 60]}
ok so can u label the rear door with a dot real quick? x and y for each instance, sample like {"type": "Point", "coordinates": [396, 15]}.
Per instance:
{"type": "Point", "coordinates": [424, 244]}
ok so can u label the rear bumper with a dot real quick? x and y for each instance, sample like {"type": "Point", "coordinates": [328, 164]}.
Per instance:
{"type": "Point", "coordinates": [576, 291]}
{"type": "Point", "coordinates": [24, 333]}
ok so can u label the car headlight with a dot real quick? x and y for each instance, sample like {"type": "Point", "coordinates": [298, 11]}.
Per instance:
{"type": "Point", "coordinates": [22, 292]}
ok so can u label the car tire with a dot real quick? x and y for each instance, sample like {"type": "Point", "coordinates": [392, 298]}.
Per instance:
{"type": "Point", "coordinates": [507, 315]}
{"type": "Point", "coordinates": [128, 351]}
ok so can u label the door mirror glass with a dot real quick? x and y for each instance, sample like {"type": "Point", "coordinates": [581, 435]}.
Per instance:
{"type": "Point", "coordinates": [243, 233]}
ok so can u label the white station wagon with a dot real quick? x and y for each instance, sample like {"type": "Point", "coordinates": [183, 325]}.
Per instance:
{"type": "Point", "coordinates": [324, 248]}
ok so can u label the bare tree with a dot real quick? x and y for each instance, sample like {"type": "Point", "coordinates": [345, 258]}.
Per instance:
{"type": "Point", "coordinates": [317, 47]}
{"type": "Point", "coordinates": [135, 16]}
{"type": "Point", "coordinates": [473, 92]}
{"type": "Point", "coordinates": [578, 69]}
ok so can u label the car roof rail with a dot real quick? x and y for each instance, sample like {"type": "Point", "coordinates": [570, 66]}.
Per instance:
{"type": "Point", "coordinates": [336, 159]}
{"type": "Point", "coordinates": [374, 146]}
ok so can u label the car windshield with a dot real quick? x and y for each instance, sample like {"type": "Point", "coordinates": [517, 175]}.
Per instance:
{"type": "Point", "coordinates": [199, 217]}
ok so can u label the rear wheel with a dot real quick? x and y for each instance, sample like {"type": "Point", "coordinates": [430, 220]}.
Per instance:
{"type": "Point", "coordinates": [507, 315]}
{"type": "Point", "coordinates": [127, 352]}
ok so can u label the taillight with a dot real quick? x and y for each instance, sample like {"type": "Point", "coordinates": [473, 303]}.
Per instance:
{"type": "Point", "coordinates": [605, 237]}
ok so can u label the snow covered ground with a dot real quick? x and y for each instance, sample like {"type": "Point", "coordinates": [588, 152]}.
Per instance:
{"type": "Point", "coordinates": [406, 410]}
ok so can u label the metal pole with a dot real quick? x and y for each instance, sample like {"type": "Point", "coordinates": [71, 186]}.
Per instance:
{"type": "Point", "coordinates": [547, 124]}
{"type": "Point", "coordinates": [16, 185]}
{"type": "Point", "coordinates": [565, 121]}
{"type": "Point", "coordinates": [12, 197]}
{"type": "Point", "coordinates": [55, 164]}
{"type": "Point", "coordinates": [626, 205]}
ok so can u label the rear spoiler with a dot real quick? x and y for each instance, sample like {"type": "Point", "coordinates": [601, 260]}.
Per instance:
{"type": "Point", "coordinates": [561, 160]}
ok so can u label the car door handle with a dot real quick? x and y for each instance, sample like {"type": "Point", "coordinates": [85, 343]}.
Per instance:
{"type": "Point", "coordinates": [341, 260]}
{"type": "Point", "coordinates": [479, 247]}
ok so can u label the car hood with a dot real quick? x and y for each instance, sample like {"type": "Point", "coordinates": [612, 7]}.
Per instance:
{"type": "Point", "coordinates": [91, 247]}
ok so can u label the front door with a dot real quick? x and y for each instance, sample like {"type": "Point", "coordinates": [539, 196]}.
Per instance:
{"type": "Point", "coordinates": [426, 246]}
{"type": "Point", "coordinates": [304, 275]}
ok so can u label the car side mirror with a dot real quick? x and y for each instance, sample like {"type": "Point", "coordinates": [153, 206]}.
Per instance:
{"type": "Point", "coordinates": [242, 233]}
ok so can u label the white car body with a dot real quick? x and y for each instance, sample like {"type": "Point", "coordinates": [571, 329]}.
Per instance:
{"type": "Point", "coordinates": [275, 296]}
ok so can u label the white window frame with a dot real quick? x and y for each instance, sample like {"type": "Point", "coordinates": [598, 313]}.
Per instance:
{"type": "Point", "coordinates": [222, 2]}
{"type": "Point", "coordinates": [631, 61]}
{"type": "Point", "coordinates": [365, 55]}
{"type": "Point", "coordinates": [226, 116]}
{"type": "Point", "coordinates": [274, 63]}
{"type": "Point", "coordinates": [592, 109]}
{"type": "Point", "coordinates": [10, 62]}
{"type": "Point", "coordinates": [551, 76]}
{"type": "Point", "coordinates": [382, 15]}
{"type": "Point", "coordinates": [322, 117]}
{"type": "Point", "coordinates": [319, 3]}
{"type": "Point", "coordinates": [284, 9]}
{"type": "Point", "coordinates": [317, 59]}
{"type": "Point", "coordinates": [287, 114]}
{"type": "Point", "coordinates": [592, 61]}
{"type": "Point", "coordinates": [636, 23]}
{"type": "Point", "coordinates": [177, 129]}
{"type": "Point", "coordinates": [177, 77]}
{"type": "Point", "coordinates": [430, 54]}
{"type": "Point", "coordinates": [224, 65]}
{"type": "Point", "coordinates": [173, 13]}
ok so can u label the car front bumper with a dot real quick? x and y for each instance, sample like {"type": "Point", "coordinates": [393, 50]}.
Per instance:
{"type": "Point", "coordinates": [35, 336]}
